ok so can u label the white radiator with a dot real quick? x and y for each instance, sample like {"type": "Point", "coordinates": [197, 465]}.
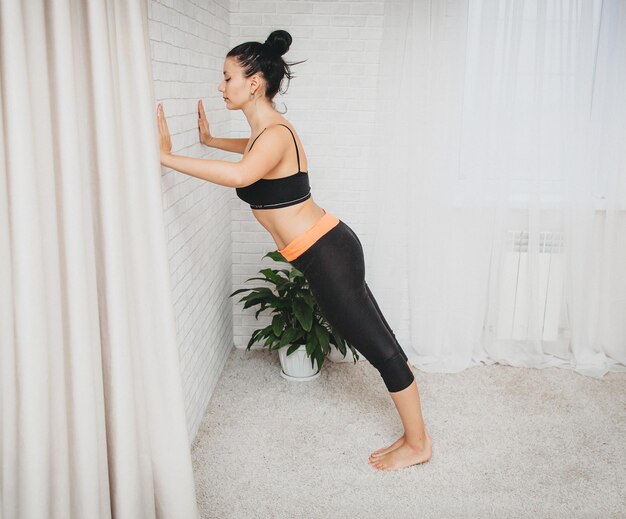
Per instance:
{"type": "Point", "coordinates": [515, 285]}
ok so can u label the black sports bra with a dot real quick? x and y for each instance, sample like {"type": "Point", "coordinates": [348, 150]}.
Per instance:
{"type": "Point", "coordinates": [273, 193]}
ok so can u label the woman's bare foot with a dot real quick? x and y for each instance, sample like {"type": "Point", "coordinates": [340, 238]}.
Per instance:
{"type": "Point", "coordinates": [404, 456]}
{"type": "Point", "coordinates": [398, 443]}
{"type": "Point", "coordinates": [393, 446]}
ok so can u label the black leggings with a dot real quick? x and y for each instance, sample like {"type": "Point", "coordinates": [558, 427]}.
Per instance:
{"type": "Point", "coordinates": [334, 267]}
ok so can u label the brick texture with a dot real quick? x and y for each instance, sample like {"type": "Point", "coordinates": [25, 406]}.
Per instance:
{"type": "Point", "coordinates": [214, 242]}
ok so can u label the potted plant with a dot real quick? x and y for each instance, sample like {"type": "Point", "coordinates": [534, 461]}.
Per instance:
{"type": "Point", "coordinates": [298, 329]}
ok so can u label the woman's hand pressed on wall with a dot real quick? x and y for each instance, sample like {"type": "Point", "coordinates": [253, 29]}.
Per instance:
{"type": "Point", "coordinates": [255, 165]}
{"type": "Point", "coordinates": [203, 126]}
{"type": "Point", "coordinates": [165, 141]}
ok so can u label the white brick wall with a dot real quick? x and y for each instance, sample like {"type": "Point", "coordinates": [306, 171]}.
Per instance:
{"type": "Point", "coordinates": [188, 44]}
{"type": "Point", "coordinates": [330, 103]}
{"type": "Point", "coordinates": [214, 241]}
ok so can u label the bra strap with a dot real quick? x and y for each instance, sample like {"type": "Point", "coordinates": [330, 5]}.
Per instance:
{"type": "Point", "coordinates": [256, 138]}
{"type": "Point", "coordinates": [294, 142]}
{"type": "Point", "coordinates": [292, 136]}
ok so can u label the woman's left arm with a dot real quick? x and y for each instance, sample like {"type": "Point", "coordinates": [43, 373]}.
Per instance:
{"type": "Point", "coordinates": [253, 166]}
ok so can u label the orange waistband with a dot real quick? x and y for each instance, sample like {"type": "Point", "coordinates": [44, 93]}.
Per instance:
{"type": "Point", "coordinates": [298, 245]}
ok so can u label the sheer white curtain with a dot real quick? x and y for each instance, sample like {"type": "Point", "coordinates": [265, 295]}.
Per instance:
{"type": "Point", "coordinates": [499, 224]}
{"type": "Point", "coordinates": [92, 415]}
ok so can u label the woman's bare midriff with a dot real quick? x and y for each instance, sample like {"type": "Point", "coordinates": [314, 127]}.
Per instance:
{"type": "Point", "coordinates": [287, 223]}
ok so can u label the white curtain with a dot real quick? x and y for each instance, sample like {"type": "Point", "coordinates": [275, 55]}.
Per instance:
{"type": "Point", "coordinates": [92, 414]}
{"type": "Point", "coordinates": [499, 175]}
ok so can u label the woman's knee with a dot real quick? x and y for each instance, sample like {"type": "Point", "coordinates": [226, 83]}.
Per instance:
{"type": "Point", "coordinates": [395, 372]}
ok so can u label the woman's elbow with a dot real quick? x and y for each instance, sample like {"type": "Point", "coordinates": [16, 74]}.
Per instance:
{"type": "Point", "coordinates": [248, 174]}
{"type": "Point", "coordinates": [243, 180]}
{"type": "Point", "coordinates": [240, 182]}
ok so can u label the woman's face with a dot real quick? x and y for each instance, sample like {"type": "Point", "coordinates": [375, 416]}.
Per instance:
{"type": "Point", "coordinates": [236, 88]}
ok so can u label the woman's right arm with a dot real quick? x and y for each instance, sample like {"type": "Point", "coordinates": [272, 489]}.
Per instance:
{"type": "Point", "coordinates": [234, 145]}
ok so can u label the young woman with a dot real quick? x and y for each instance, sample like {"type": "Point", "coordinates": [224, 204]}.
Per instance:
{"type": "Point", "coordinates": [273, 178]}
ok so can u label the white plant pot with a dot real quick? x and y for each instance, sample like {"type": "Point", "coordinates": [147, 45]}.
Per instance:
{"type": "Point", "coordinates": [336, 356]}
{"type": "Point", "coordinates": [297, 366]}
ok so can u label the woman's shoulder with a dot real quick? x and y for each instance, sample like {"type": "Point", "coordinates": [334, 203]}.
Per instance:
{"type": "Point", "coordinates": [281, 122]}
{"type": "Point", "coordinates": [281, 127]}
{"type": "Point", "coordinates": [272, 128]}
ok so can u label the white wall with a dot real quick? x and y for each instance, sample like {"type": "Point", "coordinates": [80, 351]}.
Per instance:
{"type": "Point", "coordinates": [214, 241]}
{"type": "Point", "coordinates": [188, 44]}
{"type": "Point", "coordinates": [330, 102]}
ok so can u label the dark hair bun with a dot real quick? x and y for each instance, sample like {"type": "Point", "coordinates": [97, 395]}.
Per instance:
{"type": "Point", "coordinates": [279, 41]}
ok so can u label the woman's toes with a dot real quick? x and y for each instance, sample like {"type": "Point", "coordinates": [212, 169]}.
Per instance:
{"type": "Point", "coordinates": [378, 465]}
{"type": "Point", "coordinates": [381, 452]}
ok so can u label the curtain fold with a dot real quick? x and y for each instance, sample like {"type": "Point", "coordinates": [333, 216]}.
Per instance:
{"type": "Point", "coordinates": [92, 417]}
{"type": "Point", "coordinates": [500, 210]}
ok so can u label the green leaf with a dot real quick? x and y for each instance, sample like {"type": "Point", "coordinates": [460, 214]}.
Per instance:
{"type": "Point", "coordinates": [251, 279]}
{"type": "Point", "coordinates": [263, 307]}
{"type": "Point", "coordinates": [253, 339]}
{"type": "Point", "coordinates": [239, 291]}
{"type": "Point", "coordinates": [259, 297]}
{"type": "Point", "coordinates": [303, 313]}
{"type": "Point", "coordinates": [338, 339]}
{"type": "Point", "coordinates": [278, 324]}
{"type": "Point", "coordinates": [308, 298]}
{"type": "Point", "coordinates": [282, 304]}
{"type": "Point", "coordinates": [311, 344]}
{"type": "Point", "coordinates": [272, 276]}
{"type": "Point", "coordinates": [250, 303]}
{"type": "Point", "coordinates": [292, 348]}
{"type": "Point", "coordinates": [276, 256]}
{"type": "Point", "coordinates": [289, 336]}
{"type": "Point", "coordinates": [322, 337]}
{"type": "Point", "coordinates": [295, 273]}
{"type": "Point", "coordinates": [319, 356]}
{"type": "Point", "coordinates": [342, 348]}
{"type": "Point", "coordinates": [260, 292]}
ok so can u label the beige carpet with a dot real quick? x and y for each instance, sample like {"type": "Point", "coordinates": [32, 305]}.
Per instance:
{"type": "Point", "coordinates": [507, 442]}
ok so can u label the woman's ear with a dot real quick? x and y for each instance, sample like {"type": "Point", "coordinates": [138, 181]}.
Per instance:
{"type": "Point", "coordinates": [255, 83]}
